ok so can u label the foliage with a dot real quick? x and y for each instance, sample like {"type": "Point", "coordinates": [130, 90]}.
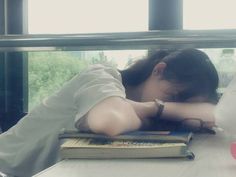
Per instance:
{"type": "Point", "coordinates": [102, 59]}
{"type": "Point", "coordinates": [48, 71]}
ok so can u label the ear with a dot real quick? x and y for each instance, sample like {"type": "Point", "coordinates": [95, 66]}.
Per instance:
{"type": "Point", "coordinates": [159, 69]}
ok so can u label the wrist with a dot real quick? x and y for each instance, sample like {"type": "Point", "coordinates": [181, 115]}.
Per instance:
{"type": "Point", "coordinates": [152, 109]}
{"type": "Point", "coordinates": [160, 107]}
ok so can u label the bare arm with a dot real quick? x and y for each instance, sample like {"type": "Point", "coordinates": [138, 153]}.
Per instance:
{"type": "Point", "coordinates": [115, 115]}
{"type": "Point", "coordinates": [112, 116]}
{"type": "Point", "coordinates": [180, 111]}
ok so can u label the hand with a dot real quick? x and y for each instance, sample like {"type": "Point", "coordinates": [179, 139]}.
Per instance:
{"type": "Point", "coordinates": [144, 110]}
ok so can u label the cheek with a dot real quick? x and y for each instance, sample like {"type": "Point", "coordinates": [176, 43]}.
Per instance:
{"type": "Point", "coordinates": [155, 90]}
{"type": "Point", "coordinates": [164, 97]}
{"type": "Point", "coordinates": [164, 93]}
{"type": "Point", "coordinates": [152, 94]}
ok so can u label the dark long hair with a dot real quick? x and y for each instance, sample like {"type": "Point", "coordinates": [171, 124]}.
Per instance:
{"type": "Point", "coordinates": [190, 67]}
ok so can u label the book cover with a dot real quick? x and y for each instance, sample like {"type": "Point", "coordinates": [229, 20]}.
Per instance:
{"type": "Point", "coordinates": [150, 136]}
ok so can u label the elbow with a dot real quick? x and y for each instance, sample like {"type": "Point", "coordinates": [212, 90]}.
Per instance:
{"type": "Point", "coordinates": [108, 126]}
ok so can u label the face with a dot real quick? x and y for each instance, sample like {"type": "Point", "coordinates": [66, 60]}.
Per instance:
{"type": "Point", "coordinates": [157, 87]}
{"type": "Point", "coordinates": [197, 99]}
{"type": "Point", "coordinates": [166, 91]}
{"type": "Point", "coordinates": [161, 89]}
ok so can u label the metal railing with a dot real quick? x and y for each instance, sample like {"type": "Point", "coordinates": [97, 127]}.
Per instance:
{"type": "Point", "coordinates": [120, 41]}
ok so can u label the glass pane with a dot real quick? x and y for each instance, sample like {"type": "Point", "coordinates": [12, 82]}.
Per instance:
{"type": "Point", "coordinates": [87, 16]}
{"type": "Point", "coordinates": [225, 63]}
{"type": "Point", "coordinates": [48, 71]}
{"type": "Point", "coordinates": [209, 14]}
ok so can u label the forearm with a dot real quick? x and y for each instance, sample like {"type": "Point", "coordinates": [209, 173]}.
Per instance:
{"type": "Point", "coordinates": [112, 116]}
{"type": "Point", "coordinates": [179, 111]}
{"type": "Point", "coordinates": [115, 115]}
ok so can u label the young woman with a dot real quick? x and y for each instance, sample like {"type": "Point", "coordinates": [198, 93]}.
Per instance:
{"type": "Point", "coordinates": [177, 78]}
{"type": "Point", "coordinates": [168, 86]}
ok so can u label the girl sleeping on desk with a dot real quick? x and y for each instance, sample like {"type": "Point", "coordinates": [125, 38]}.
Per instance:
{"type": "Point", "coordinates": [168, 86]}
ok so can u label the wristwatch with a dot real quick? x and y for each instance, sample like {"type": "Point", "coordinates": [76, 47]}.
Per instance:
{"type": "Point", "coordinates": [160, 106]}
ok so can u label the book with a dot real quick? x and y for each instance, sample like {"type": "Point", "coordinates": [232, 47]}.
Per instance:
{"type": "Point", "coordinates": [150, 136]}
{"type": "Point", "coordinates": [92, 148]}
{"type": "Point", "coordinates": [137, 144]}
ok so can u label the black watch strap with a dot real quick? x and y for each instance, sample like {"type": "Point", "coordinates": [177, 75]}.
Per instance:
{"type": "Point", "coordinates": [160, 107]}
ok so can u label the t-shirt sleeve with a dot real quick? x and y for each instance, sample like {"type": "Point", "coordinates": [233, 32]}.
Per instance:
{"type": "Point", "coordinates": [96, 84]}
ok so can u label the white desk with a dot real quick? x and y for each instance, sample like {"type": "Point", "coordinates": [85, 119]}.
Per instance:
{"type": "Point", "coordinates": [213, 159]}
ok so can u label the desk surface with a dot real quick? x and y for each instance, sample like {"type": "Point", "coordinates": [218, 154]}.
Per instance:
{"type": "Point", "coordinates": [213, 159]}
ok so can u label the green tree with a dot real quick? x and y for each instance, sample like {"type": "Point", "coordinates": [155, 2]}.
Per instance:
{"type": "Point", "coordinates": [48, 71]}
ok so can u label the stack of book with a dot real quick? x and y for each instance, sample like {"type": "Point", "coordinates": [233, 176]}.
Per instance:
{"type": "Point", "coordinates": [139, 144]}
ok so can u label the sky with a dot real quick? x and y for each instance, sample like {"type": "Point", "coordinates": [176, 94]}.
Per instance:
{"type": "Point", "coordinates": [89, 16]}
{"type": "Point", "coordinates": [95, 16]}
{"type": "Point", "coordinates": [209, 14]}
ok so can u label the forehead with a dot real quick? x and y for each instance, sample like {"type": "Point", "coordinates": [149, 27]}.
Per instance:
{"type": "Point", "coordinates": [180, 92]}
{"type": "Point", "coordinates": [197, 99]}
{"type": "Point", "coordinates": [176, 88]}
{"type": "Point", "coordinates": [190, 94]}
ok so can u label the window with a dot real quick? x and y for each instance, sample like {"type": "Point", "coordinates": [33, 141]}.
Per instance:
{"type": "Point", "coordinates": [225, 63]}
{"type": "Point", "coordinates": [49, 70]}
{"type": "Point", "coordinates": [87, 16]}
{"type": "Point", "coordinates": [210, 14]}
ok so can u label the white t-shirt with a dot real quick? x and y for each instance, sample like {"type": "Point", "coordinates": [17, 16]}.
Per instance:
{"type": "Point", "coordinates": [32, 144]}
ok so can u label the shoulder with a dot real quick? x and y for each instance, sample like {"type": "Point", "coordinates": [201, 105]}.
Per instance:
{"type": "Point", "coordinates": [101, 70]}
